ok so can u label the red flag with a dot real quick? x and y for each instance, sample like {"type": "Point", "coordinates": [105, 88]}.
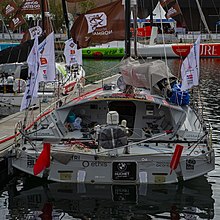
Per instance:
{"type": "Point", "coordinates": [100, 25]}
{"type": "Point", "coordinates": [43, 160]}
{"type": "Point", "coordinates": [10, 8]}
{"type": "Point", "coordinates": [176, 157]}
{"type": "Point", "coordinates": [16, 21]}
{"type": "Point", "coordinates": [173, 10]}
{"type": "Point", "coordinates": [31, 7]}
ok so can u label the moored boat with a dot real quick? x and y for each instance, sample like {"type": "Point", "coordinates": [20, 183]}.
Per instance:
{"type": "Point", "coordinates": [139, 129]}
{"type": "Point", "coordinates": [173, 50]}
{"type": "Point", "coordinates": [110, 136]}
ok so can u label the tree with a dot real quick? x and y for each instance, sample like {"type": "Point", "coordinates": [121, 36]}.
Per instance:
{"type": "Point", "coordinates": [86, 5]}
{"type": "Point", "coordinates": [56, 12]}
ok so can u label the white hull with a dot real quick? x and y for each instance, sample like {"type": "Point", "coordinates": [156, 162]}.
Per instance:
{"type": "Point", "coordinates": [150, 167]}
{"type": "Point", "coordinates": [107, 136]}
{"type": "Point", "coordinates": [115, 49]}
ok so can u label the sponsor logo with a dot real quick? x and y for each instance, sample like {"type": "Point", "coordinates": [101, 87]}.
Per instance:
{"type": "Point", "coordinates": [122, 167]}
{"type": "Point", "coordinates": [94, 164]}
{"type": "Point", "coordinates": [9, 9]}
{"type": "Point", "coordinates": [30, 161]}
{"type": "Point", "coordinates": [96, 20]}
{"type": "Point", "coordinates": [43, 61]}
{"type": "Point", "coordinates": [190, 164]}
{"type": "Point", "coordinates": [162, 164]}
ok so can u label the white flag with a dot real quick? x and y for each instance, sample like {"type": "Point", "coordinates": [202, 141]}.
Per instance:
{"type": "Point", "coordinates": [190, 67]}
{"type": "Point", "coordinates": [71, 53]}
{"type": "Point", "coordinates": [36, 30]}
{"type": "Point", "coordinates": [47, 59]}
{"type": "Point", "coordinates": [31, 91]}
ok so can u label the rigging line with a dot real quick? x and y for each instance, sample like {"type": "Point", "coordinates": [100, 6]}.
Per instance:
{"type": "Point", "coordinates": [190, 14]}
{"type": "Point", "coordinates": [203, 18]}
{"type": "Point", "coordinates": [101, 73]}
{"type": "Point", "coordinates": [216, 10]}
{"type": "Point", "coordinates": [165, 54]}
{"type": "Point", "coordinates": [5, 26]}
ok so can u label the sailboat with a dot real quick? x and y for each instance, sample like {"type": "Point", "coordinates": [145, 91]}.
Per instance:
{"type": "Point", "coordinates": [156, 47]}
{"type": "Point", "coordinates": [15, 72]}
{"type": "Point", "coordinates": [138, 129]}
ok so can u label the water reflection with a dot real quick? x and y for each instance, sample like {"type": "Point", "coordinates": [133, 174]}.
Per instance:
{"type": "Point", "coordinates": [210, 91]}
{"type": "Point", "coordinates": [34, 199]}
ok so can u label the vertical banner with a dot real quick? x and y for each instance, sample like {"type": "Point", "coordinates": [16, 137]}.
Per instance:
{"type": "Point", "coordinates": [31, 91]}
{"type": "Point", "coordinates": [47, 59]}
{"type": "Point", "coordinates": [71, 53]}
{"type": "Point", "coordinates": [190, 67]}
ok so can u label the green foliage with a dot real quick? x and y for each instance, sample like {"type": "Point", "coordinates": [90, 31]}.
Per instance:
{"type": "Point", "coordinates": [86, 5]}
{"type": "Point", "coordinates": [56, 11]}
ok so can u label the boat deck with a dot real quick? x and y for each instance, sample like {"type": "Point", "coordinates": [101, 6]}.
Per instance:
{"type": "Point", "coordinates": [9, 123]}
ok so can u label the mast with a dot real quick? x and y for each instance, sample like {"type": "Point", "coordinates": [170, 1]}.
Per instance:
{"type": "Point", "coordinates": [127, 28]}
{"type": "Point", "coordinates": [203, 18]}
{"type": "Point", "coordinates": [128, 5]}
{"type": "Point", "coordinates": [4, 26]}
{"type": "Point", "coordinates": [151, 14]}
{"type": "Point", "coordinates": [43, 15]}
{"type": "Point", "coordinates": [134, 10]}
{"type": "Point", "coordinates": [66, 18]}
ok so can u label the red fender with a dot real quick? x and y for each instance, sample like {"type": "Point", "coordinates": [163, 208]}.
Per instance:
{"type": "Point", "coordinates": [43, 160]}
{"type": "Point", "coordinates": [176, 157]}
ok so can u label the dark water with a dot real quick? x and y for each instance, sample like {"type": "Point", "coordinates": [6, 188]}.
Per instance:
{"type": "Point", "coordinates": [29, 198]}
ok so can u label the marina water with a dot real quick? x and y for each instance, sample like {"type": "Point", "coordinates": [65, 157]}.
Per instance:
{"type": "Point", "coordinates": [26, 197]}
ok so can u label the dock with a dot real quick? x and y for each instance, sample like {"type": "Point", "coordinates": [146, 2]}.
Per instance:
{"type": "Point", "coordinates": [9, 125]}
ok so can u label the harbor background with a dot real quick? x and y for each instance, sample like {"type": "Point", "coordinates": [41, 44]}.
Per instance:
{"type": "Point", "coordinates": [30, 198]}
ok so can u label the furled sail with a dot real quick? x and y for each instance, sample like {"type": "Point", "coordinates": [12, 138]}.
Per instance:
{"type": "Point", "coordinates": [144, 75]}
{"type": "Point", "coordinates": [100, 25]}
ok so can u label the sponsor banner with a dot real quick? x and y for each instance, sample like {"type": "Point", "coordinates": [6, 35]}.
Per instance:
{"type": "Point", "coordinates": [100, 25]}
{"type": "Point", "coordinates": [31, 7]}
{"type": "Point", "coordinates": [10, 8]}
{"type": "Point", "coordinates": [16, 21]}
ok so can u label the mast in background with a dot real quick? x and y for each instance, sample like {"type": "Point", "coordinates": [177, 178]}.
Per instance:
{"type": "Point", "coordinates": [65, 14]}
{"type": "Point", "coordinates": [134, 11]}
{"type": "Point", "coordinates": [4, 26]}
{"type": "Point", "coordinates": [203, 18]}
{"type": "Point", "coordinates": [128, 5]}
{"type": "Point", "coordinates": [43, 15]}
